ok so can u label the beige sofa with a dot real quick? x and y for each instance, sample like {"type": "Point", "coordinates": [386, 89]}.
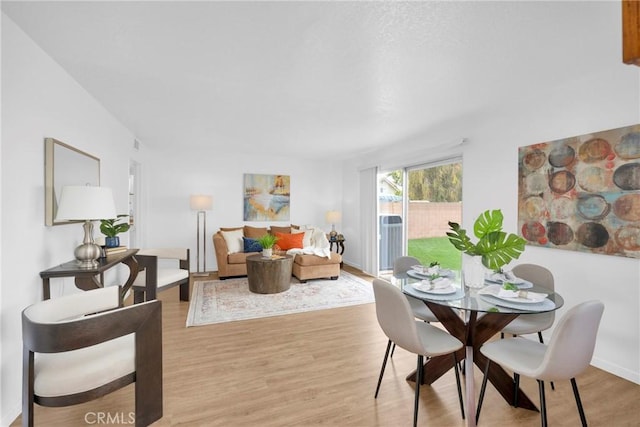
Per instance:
{"type": "Point", "coordinates": [305, 267]}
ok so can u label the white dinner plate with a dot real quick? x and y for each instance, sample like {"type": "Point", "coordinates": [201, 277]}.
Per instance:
{"type": "Point", "coordinates": [545, 305]}
{"type": "Point", "coordinates": [532, 297]}
{"type": "Point", "coordinates": [499, 278]}
{"type": "Point", "coordinates": [438, 291]}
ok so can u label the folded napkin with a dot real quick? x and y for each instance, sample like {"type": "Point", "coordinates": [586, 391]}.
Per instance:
{"type": "Point", "coordinates": [510, 276]}
{"type": "Point", "coordinates": [439, 283]}
{"type": "Point", "coordinates": [526, 295]}
{"type": "Point", "coordinates": [507, 276]}
{"type": "Point", "coordinates": [433, 270]}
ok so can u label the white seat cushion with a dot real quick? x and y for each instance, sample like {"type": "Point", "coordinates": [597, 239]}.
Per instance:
{"type": "Point", "coordinates": [166, 276]}
{"type": "Point", "coordinates": [529, 324]}
{"type": "Point", "coordinates": [58, 374]}
{"type": "Point", "coordinates": [519, 355]}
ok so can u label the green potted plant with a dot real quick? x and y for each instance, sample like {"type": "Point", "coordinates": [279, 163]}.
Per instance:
{"type": "Point", "coordinates": [111, 228]}
{"type": "Point", "coordinates": [495, 248]}
{"type": "Point", "coordinates": [267, 242]}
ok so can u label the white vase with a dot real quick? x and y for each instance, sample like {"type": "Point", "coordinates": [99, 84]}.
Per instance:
{"type": "Point", "coordinates": [266, 253]}
{"type": "Point", "coordinates": [474, 272]}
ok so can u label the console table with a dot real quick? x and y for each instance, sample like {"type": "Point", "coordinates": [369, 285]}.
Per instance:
{"type": "Point", "coordinates": [87, 278]}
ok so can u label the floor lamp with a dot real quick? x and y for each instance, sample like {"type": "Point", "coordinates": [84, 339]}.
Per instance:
{"type": "Point", "coordinates": [201, 203]}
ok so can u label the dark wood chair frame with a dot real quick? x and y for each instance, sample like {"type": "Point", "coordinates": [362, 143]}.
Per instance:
{"type": "Point", "coordinates": [149, 263]}
{"type": "Point", "coordinates": [144, 320]}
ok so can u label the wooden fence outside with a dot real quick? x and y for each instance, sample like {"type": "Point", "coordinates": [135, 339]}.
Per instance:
{"type": "Point", "coordinates": [426, 219]}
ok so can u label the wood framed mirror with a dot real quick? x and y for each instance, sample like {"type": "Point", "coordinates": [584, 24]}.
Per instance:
{"type": "Point", "coordinates": [65, 165]}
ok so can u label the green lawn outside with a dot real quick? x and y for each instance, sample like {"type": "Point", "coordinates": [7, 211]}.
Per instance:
{"type": "Point", "coordinates": [436, 249]}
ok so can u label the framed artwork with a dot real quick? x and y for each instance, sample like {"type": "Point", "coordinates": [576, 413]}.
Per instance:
{"type": "Point", "coordinates": [266, 197]}
{"type": "Point", "coordinates": [582, 193]}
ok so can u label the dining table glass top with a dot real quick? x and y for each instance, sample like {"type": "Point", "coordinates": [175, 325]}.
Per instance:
{"type": "Point", "coordinates": [487, 299]}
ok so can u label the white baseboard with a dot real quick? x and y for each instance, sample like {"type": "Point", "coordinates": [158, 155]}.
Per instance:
{"type": "Point", "coordinates": [616, 370]}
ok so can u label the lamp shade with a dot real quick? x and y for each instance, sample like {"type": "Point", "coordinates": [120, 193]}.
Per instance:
{"type": "Point", "coordinates": [81, 203]}
{"type": "Point", "coordinates": [333, 217]}
{"type": "Point", "coordinates": [201, 202]}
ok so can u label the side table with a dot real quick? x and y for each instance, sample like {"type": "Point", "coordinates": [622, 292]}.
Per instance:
{"type": "Point", "coordinates": [269, 275]}
{"type": "Point", "coordinates": [339, 241]}
{"type": "Point", "coordinates": [339, 245]}
{"type": "Point", "coordinates": [87, 278]}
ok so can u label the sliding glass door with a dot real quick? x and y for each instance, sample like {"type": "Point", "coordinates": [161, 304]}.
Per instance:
{"type": "Point", "coordinates": [415, 205]}
{"type": "Point", "coordinates": [390, 219]}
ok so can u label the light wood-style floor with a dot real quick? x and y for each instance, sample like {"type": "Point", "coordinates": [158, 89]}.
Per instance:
{"type": "Point", "coordinates": [321, 368]}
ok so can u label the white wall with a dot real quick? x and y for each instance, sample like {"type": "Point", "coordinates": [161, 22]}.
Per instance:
{"type": "Point", "coordinates": [607, 97]}
{"type": "Point", "coordinates": [171, 175]}
{"type": "Point", "coordinates": [40, 100]}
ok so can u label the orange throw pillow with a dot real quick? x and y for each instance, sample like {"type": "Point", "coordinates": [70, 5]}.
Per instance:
{"type": "Point", "coordinates": [289, 241]}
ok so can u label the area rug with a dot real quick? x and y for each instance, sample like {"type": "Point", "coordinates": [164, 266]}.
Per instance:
{"type": "Point", "coordinates": [217, 301]}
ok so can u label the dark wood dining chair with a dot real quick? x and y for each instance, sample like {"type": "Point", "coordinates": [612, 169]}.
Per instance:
{"type": "Point", "coordinates": [82, 346]}
{"type": "Point", "coordinates": [161, 269]}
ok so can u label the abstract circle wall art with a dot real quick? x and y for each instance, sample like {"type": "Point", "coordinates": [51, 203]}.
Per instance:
{"type": "Point", "coordinates": [582, 193]}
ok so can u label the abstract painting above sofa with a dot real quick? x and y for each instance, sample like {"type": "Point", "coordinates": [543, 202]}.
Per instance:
{"type": "Point", "coordinates": [266, 197]}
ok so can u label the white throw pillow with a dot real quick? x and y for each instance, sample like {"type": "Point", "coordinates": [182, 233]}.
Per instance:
{"type": "Point", "coordinates": [313, 229]}
{"type": "Point", "coordinates": [306, 240]}
{"type": "Point", "coordinates": [234, 240]}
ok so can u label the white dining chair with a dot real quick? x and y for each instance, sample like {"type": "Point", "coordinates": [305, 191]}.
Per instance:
{"type": "Point", "coordinates": [400, 326]}
{"type": "Point", "coordinates": [532, 323]}
{"type": "Point", "coordinates": [420, 310]}
{"type": "Point", "coordinates": [568, 354]}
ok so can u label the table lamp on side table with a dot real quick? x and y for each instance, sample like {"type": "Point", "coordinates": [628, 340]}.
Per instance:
{"type": "Point", "coordinates": [333, 217]}
{"type": "Point", "coordinates": [86, 203]}
{"type": "Point", "coordinates": [201, 203]}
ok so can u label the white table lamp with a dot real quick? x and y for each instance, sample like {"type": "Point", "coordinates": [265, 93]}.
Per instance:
{"type": "Point", "coordinates": [86, 203]}
{"type": "Point", "coordinates": [201, 203]}
{"type": "Point", "coordinates": [333, 217]}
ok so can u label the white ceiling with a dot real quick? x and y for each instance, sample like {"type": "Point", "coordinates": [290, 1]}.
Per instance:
{"type": "Point", "coordinates": [314, 78]}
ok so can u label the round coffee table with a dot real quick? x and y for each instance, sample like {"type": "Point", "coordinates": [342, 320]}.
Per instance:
{"type": "Point", "coordinates": [269, 275]}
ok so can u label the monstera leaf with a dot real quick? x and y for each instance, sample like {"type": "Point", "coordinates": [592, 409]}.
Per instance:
{"type": "Point", "coordinates": [458, 238]}
{"type": "Point", "coordinates": [496, 247]}
{"type": "Point", "coordinates": [488, 222]}
{"type": "Point", "coordinates": [499, 249]}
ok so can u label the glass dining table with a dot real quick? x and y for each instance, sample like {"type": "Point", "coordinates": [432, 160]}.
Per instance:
{"type": "Point", "coordinates": [475, 315]}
